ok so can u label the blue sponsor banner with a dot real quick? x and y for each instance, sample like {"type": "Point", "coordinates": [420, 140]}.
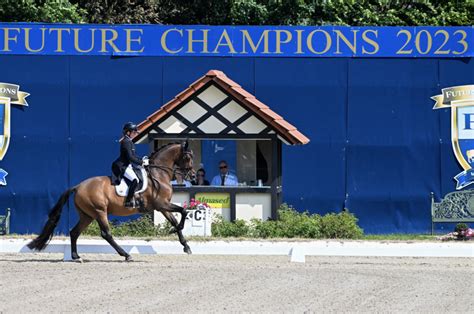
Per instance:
{"type": "Point", "coordinates": [236, 41]}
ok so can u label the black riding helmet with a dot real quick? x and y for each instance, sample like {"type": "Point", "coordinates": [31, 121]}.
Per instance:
{"type": "Point", "coordinates": [129, 126]}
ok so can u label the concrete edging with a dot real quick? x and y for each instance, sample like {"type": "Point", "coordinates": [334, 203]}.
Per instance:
{"type": "Point", "coordinates": [296, 250]}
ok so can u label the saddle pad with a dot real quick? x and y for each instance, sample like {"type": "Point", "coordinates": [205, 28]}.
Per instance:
{"type": "Point", "coordinates": [122, 188]}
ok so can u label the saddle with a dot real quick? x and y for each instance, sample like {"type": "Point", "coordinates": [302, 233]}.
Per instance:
{"type": "Point", "coordinates": [122, 188]}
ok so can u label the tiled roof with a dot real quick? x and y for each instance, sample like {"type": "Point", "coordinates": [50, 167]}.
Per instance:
{"type": "Point", "coordinates": [247, 100]}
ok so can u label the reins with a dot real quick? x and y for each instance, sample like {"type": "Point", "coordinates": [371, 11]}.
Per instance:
{"type": "Point", "coordinates": [174, 171]}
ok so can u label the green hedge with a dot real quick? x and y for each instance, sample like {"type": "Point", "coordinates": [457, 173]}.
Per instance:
{"type": "Point", "coordinates": [141, 227]}
{"type": "Point", "coordinates": [292, 224]}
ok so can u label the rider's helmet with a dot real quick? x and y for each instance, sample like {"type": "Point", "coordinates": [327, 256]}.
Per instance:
{"type": "Point", "coordinates": [129, 126]}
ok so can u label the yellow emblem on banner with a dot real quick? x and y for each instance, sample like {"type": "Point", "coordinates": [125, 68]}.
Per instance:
{"type": "Point", "coordinates": [13, 92]}
{"type": "Point", "coordinates": [460, 99]}
{"type": "Point", "coordinates": [214, 200]}
{"type": "Point", "coordinates": [4, 125]}
{"type": "Point", "coordinates": [10, 94]}
{"type": "Point", "coordinates": [452, 94]}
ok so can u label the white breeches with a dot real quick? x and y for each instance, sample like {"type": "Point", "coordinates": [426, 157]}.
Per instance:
{"type": "Point", "coordinates": [130, 174]}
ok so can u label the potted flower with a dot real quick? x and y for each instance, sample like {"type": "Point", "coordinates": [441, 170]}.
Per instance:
{"type": "Point", "coordinates": [199, 218]}
{"type": "Point", "coordinates": [195, 204]}
{"type": "Point", "coordinates": [461, 231]}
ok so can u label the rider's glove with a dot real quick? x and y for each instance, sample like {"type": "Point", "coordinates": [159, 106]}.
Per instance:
{"type": "Point", "coordinates": [145, 161]}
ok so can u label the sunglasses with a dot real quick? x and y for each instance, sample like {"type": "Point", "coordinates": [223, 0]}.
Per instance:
{"type": "Point", "coordinates": [222, 167]}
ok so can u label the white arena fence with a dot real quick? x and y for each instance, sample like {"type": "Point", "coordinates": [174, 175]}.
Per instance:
{"type": "Point", "coordinates": [297, 251]}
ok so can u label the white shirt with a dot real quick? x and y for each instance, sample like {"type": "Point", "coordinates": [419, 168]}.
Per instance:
{"type": "Point", "coordinates": [185, 183]}
{"type": "Point", "coordinates": [229, 180]}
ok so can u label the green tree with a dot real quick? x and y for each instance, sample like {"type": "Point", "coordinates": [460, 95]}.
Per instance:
{"type": "Point", "coordinates": [393, 12]}
{"type": "Point", "coordinates": [48, 11]}
{"type": "Point", "coordinates": [290, 12]}
{"type": "Point", "coordinates": [243, 12]}
{"type": "Point", "coordinates": [121, 11]}
{"type": "Point", "coordinates": [248, 12]}
{"type": "Point", "coordinates": [187, 12]}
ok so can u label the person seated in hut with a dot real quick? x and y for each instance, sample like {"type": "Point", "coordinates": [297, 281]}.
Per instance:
{"type": "Point", "coordinates": [200, 178]}
{"type": "Point", "coordinates": [179, 180]}
{"type": "Point", "coordinates": [225, 178]}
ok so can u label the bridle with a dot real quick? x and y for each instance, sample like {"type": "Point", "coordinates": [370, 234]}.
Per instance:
{"type": "Point", "coordinates": [170, 171]}
{"type": "Point", "coordinates": [185, 172]}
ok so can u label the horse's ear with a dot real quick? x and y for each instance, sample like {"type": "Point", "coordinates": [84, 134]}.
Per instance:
{"type": "Point", "coordinates": [184, 146]}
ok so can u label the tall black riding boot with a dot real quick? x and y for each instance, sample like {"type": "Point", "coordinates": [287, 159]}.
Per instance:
{"type": "Point", "coordinates": [131, 192]}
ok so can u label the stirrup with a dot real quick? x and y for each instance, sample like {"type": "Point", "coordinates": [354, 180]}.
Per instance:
{"type": "Point", "coordinates": [130, 204]}
{"type": "Point", "coordinates": [140, 205]}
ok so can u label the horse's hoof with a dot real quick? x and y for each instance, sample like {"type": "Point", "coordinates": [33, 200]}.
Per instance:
{"type": "Point", "coordinates": [77, 260]}
{"type": "Point", "coordinates": [128, 258]}
{"type": "Point", "coordinates": [187, 250]}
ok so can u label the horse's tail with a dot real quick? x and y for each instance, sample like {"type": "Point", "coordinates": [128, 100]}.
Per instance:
{"type": "Point", "coordinates": [40, 242]}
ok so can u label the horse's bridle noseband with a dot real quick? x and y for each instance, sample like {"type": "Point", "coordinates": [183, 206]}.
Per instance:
{"type": "Point", "coordinates": [185, 172]}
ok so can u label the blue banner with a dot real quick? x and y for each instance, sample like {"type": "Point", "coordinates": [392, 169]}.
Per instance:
{"type": "Point", "coordinates": [236, 41]}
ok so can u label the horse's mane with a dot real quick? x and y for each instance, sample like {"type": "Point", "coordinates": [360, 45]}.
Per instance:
{"type": "Point", "coordinates": [161, 148]}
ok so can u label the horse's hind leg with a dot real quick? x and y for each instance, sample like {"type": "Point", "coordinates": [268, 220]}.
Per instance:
{"type": "Point", "coordinates": [75, 232]}
{"type": "Point", "coordinates": [172, 219]}
{"type": "Point", "coordinates": [105, 233]}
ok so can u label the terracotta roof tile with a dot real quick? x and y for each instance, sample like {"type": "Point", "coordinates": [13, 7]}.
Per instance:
{"type": "Point", "coordinates": [199, 83]}
{"type": "Point", "coordinates": [242, 92]}
{"type": "Point", "coordinates": [301, 139]}
{"type": "Point", "coordinates": [254, 101]}
{"type": "Point", "coordinates": [234, 93]}
{"type": "Point", "coordinates": [285, 125]}
{"type": "Point", "coordinates": [215, 73]}
{"type": "Point", "coordinates": [185, 94]}
{"type": "Point", "coordinates": [170, 105]}
{"type": "Point", "coordinates": [224, 79]}
{"type": "Point", "coordinates": [142, 128]}
{"type": "Point", "coordinates": [155, 116]}
{"type": "Point", "coordinates": [145, 124]}
{"type": "Point", "coordinates": [164, 109]}
{"type": "Point", "coordinates": [283, 128]}
{"type": "Point", "coordinates": [270, 113]}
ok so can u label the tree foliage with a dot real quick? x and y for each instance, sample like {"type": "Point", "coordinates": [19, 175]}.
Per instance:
{"type": "Point", "coordinates": [121, 11]}
{"type": "Point", "coordinates": [243, 12]}
{"type": "Point", "coordinates": [248, 12]}
{"type": "Point", "coordinates": [210, 12]}
{"type": "Point", "coordinates": [48, 11]}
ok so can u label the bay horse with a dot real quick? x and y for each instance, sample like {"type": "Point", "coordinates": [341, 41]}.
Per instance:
{"type": "Point", "coordinates": [95, 198]}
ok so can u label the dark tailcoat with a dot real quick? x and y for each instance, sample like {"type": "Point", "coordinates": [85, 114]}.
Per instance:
{"type": "Point", "coordinates": [127, 156]}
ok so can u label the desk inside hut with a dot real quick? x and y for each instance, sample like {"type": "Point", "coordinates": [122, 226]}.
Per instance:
{"type": "Point", "coordinates": [237, 202]}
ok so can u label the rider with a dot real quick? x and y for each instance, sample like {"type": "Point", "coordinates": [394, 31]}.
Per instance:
{"type": "Point", "coordinates": [127, 161]}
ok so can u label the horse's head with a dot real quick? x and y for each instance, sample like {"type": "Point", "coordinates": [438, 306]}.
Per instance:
{"type": "Point", "coordinates": [174, 157]}
{"type": "Point", "coordinates": [184, 162]}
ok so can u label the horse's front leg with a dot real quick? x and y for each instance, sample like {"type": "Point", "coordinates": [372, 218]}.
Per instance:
{"type": "Point", "coordinates": [178, 209]}
{"type": "Point", "coordinates": [172, 219]}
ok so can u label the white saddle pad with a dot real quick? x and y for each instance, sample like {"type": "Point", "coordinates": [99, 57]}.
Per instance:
{"type": "Point", "coordinates": [122, 188]}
